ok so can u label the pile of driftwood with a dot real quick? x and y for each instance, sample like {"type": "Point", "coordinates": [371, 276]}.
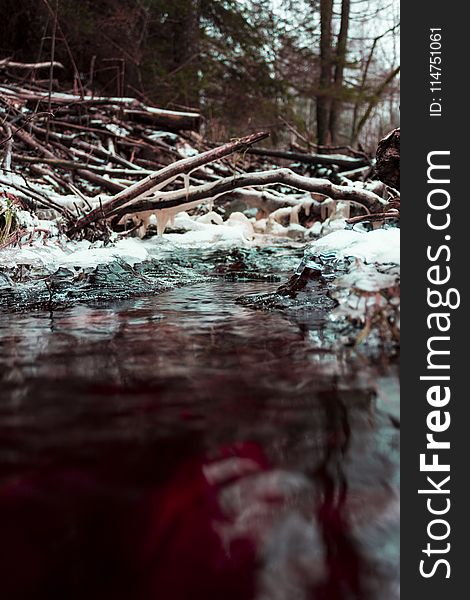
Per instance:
{"type": "Point", "coordinates": [119, 157]}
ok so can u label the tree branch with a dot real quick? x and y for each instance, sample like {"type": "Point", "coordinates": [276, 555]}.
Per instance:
{"type": "Point", "coordinates": [163, 176]}
{"type": "Point", "coordinates": [369, 200]}
{"type": "Point", "coordinates": [374, 101]}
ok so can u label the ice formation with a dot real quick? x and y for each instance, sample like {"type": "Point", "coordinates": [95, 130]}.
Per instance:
{"type": "Point", "coordinates": [363, 269]}
{"type": "Point", "coordinates": [210, 229]}
{"type": "Point", "coordinates": [82, 254]}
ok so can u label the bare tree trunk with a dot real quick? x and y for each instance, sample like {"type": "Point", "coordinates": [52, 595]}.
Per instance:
{"type": "Point", "coordinates": [186, 51]}
{"type": "Point", "coordinates": [374, 100]}
{"type": "Point", "coordinates": [341, 53]}
{"type": "Point", "coordinates": [361, 91]}
{"type": "Point", "coordinates": [323, 95]}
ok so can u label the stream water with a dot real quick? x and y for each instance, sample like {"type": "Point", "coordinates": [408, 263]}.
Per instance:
{"type": "Point", "coordinates": [183, 446]}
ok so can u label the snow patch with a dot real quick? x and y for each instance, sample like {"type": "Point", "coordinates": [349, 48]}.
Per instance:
{"type": "Point", "coordinates": [378, 246]}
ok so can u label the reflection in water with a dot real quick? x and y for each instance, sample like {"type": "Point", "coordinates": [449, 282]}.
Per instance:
{"type": "Point", "coordinates": [183, 447]}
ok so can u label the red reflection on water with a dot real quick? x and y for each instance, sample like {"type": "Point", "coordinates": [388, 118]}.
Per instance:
{"type": "Point", "coordinates": [64, 534]}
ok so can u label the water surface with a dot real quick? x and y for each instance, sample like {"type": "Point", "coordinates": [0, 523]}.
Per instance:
{"type": "Point", "coordinates": [183, 446]}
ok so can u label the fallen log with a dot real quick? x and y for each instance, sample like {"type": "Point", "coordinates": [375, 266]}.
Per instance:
{"type": "Point", "coordinates": [260, 199]}
{"type": "Point", "coordinates": [263, 200]}
{"type": "Point", "coordinates": [176, 121]}
{"type": "Point", "coordinates": [170, 119]}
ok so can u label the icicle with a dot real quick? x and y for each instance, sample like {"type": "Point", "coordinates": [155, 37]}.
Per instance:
{"type": "Point", "coordinates": [342, 210]}
{"type": "Point", "coordinates": [332, 208]}
{"type": "Point", "coordinates": [167, 215]}
{"type": "Point", "coordinates": [294, 214]}
{"type": "Point", "coordinates": [162, 220]}
{"type": "Point", "coordinates": [186, 177]}
{"type": "Point", "coordinates": [279, 214]}
{"type": "Point", "coordinates": [327, 209]}
{"type": "Point", "coordinates": [111, 147]}
{"type": "Point", "coordinates": [142, 230]}
{"type": "Point", "coordinates": [186, 180]}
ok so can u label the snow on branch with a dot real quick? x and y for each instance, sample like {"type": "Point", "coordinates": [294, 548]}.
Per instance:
{"type": "Point", "coordinates": [162, 177]}
{"type": "Point", "coordinates": [163, 200]}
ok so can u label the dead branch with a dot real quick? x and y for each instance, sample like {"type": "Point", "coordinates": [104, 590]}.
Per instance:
{"type": "Point", "coordinates": [382, 216]}
{"type": "Point", "coordinates": [168, 119]}
{"type": "Point", "coordinates": [76, 166]}
{"type": "Point", "coordinates": [131, 107]}
{"type": "Point", "coordinates": [108, 184]}
{"type": "Point", "coordinates": [164, 176]}
{"type": "Point", "coordinates": [356, 174]}
{"type": "Point", "coordinates": [6, 162]}
{"type": "Point", "coordinates": [116, 145]}
{"type": "Point", "coordinates": [26, 121]}
{"type": "Point", "coordinates": [6, 62]}
{"type": "Point", "coordinates": [33, 143]}
{"type": "Point", "coordinates": [340, 161]}
{"type": "Point", "coordinates": [161, 200]}
{"type": "Point", "coordinates": [34, 195]}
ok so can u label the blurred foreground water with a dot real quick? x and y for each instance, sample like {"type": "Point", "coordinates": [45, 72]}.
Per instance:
{"type": "Point", "coordinates": [183, 446]}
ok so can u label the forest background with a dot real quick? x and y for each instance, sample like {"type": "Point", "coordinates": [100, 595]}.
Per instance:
{"type": "Point", "coordinates": [312, 72]}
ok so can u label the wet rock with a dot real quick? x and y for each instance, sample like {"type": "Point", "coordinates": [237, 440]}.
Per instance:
{"type": "Point", "coordinates": [104, 283]}
{"type": "Point", "coordinates": [5, 282]}
{"type": "Point", "coordinates": [347, 287]}
{"type": "Point", "coordinates": [268, 263]}
{"type": "Point", "coordinates": [308, 288]}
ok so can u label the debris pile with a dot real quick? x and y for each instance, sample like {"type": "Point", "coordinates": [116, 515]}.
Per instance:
{"type": "Point", "coordinates": [104, 164]}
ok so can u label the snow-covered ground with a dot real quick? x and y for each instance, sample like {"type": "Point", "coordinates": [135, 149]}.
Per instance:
{"type": "Point", "coordinates": [377, 246]}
